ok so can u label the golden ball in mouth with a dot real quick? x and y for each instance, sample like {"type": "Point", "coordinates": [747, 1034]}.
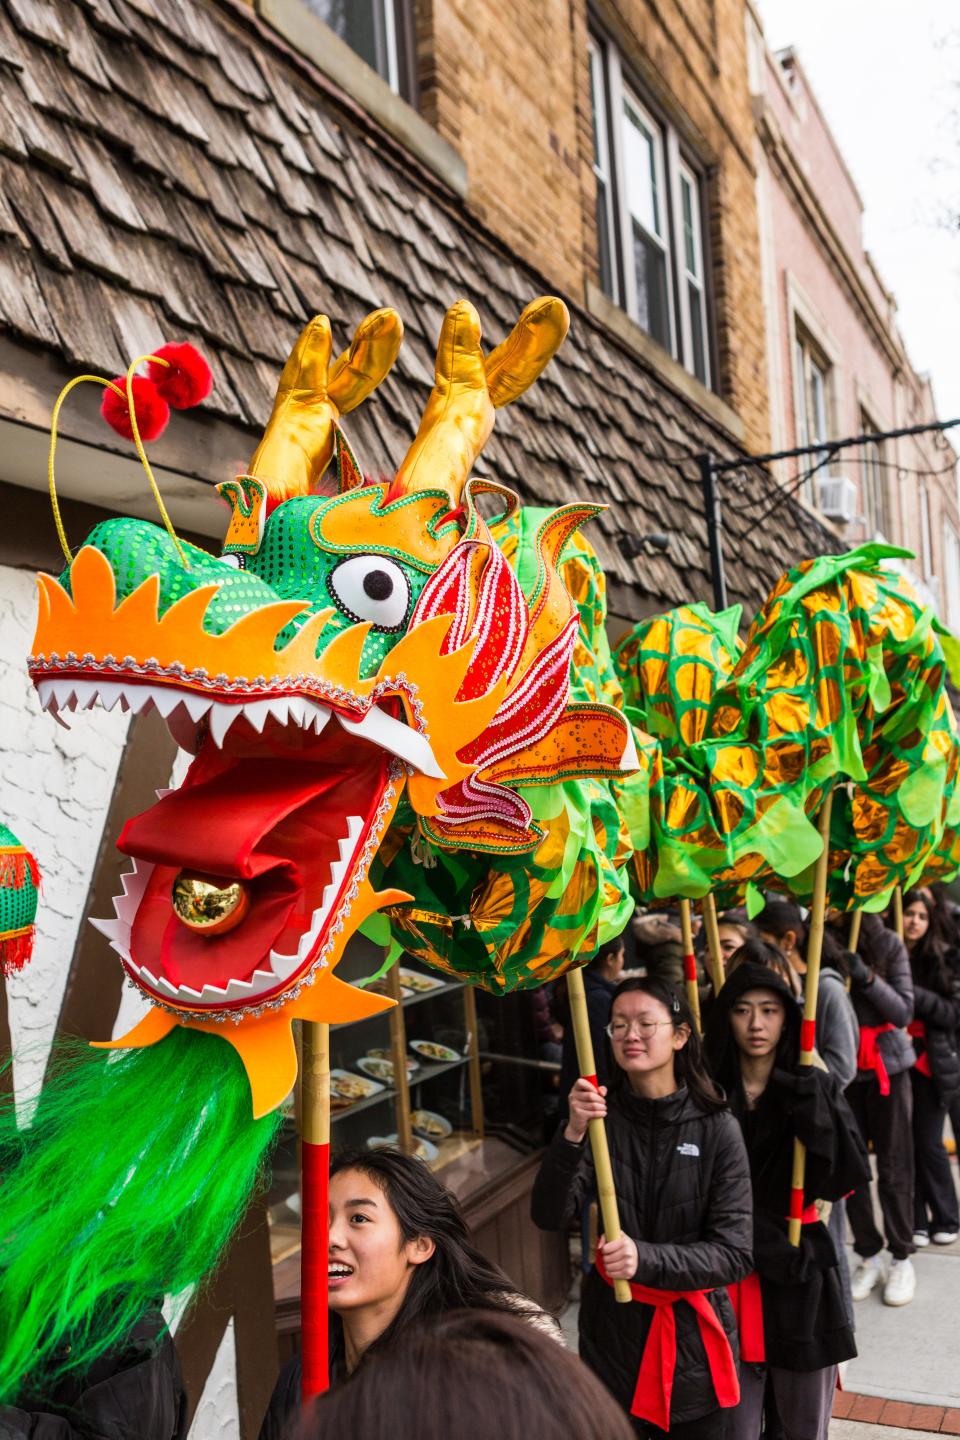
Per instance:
{"type": "Point", "coordinates": [209, 905]}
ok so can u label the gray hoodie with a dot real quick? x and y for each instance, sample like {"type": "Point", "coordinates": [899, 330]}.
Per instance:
{"type": "Point", "coordinates": [887, 998]}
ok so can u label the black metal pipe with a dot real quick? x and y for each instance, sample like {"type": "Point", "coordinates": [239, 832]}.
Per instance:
{"type": "Point", "coordinates": [719, 467]}
{"type": "Point", "coordinates": [714, 519]}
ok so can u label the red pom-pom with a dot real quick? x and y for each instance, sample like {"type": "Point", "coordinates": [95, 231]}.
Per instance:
{"type": "Point", "coordinates": [153, 412]}
{"type": "Point", "coordinates": [185, 380]}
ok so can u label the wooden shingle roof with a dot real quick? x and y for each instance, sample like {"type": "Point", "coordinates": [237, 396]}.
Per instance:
{"type": "Point", "coordinates": [170, 170]}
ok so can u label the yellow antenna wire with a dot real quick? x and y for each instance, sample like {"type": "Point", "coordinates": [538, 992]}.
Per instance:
{"type": "Point", "coordinates": [131, 368]}
{"type": "Point", "coordinates": [54, 419]}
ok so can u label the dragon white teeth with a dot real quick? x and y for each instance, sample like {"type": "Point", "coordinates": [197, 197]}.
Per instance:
{"type": "Point", "coordinates": [283, 965]}
{"type": "Point", "coordinates": [197, 706]}
{"type": "Point", "coordinates": [397, 737]}
{"type": "Point", "coordinates": [258, 713]}
{"type": "Point", "coordinates": [221, 718]}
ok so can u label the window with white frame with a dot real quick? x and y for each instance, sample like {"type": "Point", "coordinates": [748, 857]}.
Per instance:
{"type": "Point", "coordinates": [380, 33]}
{"type": "Point", "coordinates": [650, 232]}
{"type": "Point", "coordinates": [872, 482]}
{"type": "Point", "coordinates": [601, 170]}
{"type": "Point", "coordinates": [811, 391]}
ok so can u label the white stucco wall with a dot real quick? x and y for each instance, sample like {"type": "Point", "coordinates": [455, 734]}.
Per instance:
{"type": "Point", "coordinates": [55, 788]}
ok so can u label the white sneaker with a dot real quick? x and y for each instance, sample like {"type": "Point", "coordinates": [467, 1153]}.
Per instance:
{"type": "Point", "coordinates": [867, 1274]}
{"type": "Point", "coordinates": [945, 1237]}
{"type": "Point", "coordinates": [901, 1283]}
{"type": "Point", "coordinates": [921, 1238]}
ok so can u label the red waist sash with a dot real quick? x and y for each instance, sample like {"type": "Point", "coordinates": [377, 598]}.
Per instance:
{"type": "Point", "coordinates": [747, 1302]}
{"type": "Point", "coordinates": [918, 1030]}
{"type": "Point", "coordinates": [651, 1398]}
{"type": "Point", "coordinates": [869, 1056]}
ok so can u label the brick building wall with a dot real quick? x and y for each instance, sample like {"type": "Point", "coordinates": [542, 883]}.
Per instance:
{"type": "Point", "coordinates": [509, 88]}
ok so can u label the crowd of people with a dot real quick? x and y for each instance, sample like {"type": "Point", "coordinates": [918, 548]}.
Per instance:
{"type": "Point", "coordinates": [732, 1332]}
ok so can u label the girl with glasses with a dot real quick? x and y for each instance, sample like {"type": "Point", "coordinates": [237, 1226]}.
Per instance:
{"type": "Point", "coordinates": [683, 1187]}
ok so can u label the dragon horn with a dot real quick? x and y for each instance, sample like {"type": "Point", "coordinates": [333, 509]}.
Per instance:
{"type": "Point", "coordinates": [468, 389]}
{"type": "Point", "coordinates": [312, 394]}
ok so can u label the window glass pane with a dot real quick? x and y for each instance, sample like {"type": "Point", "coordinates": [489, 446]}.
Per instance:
{"type": "Point", "coordinates": [800, 394]}
{"type": "Point", "coordinates": [595, 107]}
{"type": "Point", "coordinates": [603, 239]}
{"type": "Point", "coordinates": [689, 232]}
{"type": "Point", "coordinates": [699, 356]}
{"type": "Point", "coordinates": [640, 165]}
{"type": "Point", "coordinates": [650, 269]}
{"type": "Point", "coordinates": [361, 24]}
{"type": "Point", "coordinates": [817, 418]}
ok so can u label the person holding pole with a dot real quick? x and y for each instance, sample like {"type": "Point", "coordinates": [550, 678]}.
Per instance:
{"type": "Point", "coordinates": [794, 1324]}
{"type": "Point", "coordinates": [936, 1075]}
{"type": "Point", "coordinates": [881, 1097]}
{"type": "Point", "coordinates": [681, 1178]}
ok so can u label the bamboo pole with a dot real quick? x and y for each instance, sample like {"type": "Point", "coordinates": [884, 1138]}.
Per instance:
{"type": "Point", "coordinates": [598, 1135]}
{"type": "Point", "coordinates": [898, 911]}
{"type": "Point", "coordinates": [473, 1067]}
{"type": "Point", "coordinates": [808, 1030]}
{"type": "Point", "coordinates": [853, 939]}
{"type": "Point", "coordinates": [398, 1058]}
{"type": "Point", "coordinates": [689, 962]}
{"type": "Point", "coordinates": [314, 1190]}
{"type": "Point", "coordinates": [712, 927]}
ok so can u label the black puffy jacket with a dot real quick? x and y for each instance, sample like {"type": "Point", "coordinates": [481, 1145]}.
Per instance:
{"type": "Point", "coordinates": [683, 1188]}
{"type": "Point", "coordinates": [805, 1322]}
{"type": "Point", "coordinates": [134, 1392]}
{"type": "Point", "coordinates": [939, 1011]}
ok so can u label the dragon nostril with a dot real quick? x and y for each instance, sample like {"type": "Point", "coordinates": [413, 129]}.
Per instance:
{"type": "Point", "coordinates": [378, 585]}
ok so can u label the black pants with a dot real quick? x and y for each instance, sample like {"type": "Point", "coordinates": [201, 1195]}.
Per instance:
{"type": "Point", "coordinates": [886, 1120]}
{"type": "Point", "coordinates": [935, 1206]}
{"type": "Point", "coordinates": [709, 1427]}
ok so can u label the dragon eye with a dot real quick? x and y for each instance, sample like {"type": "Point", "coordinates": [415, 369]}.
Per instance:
{"type": "Point", "coordinates": [371, 587]}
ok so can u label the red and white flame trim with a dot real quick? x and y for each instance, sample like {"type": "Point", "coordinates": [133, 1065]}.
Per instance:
{"type": "Point", "coordinates": [496, 620]}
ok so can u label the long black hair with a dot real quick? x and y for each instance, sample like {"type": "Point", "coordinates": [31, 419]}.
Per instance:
{"type": "Point", "coordinates": [928, 958]}
{"type": "Point", "coordinates": [457, 1276]}
{"type": "Point", "coordinates": [722, 1052]}
{"type": "Point", "coordinates": [689, 1065]}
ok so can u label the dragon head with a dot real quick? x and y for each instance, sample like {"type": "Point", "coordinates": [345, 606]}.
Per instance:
{"type": "Point", "coordinates": [355, 639]}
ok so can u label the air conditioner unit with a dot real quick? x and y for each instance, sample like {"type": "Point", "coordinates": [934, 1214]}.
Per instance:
{"type": "Point", "coordinates": [837, 497]}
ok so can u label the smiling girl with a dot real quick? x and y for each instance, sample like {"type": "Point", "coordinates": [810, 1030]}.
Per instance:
{"type": "Point", "coordinates": [794, 1324]}
{"type": "Point", "coordinates": [683, 1188]}
{"type": "Point", "coordinates": [398, 1253]}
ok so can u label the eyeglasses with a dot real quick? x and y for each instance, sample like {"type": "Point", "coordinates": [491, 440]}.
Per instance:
{"type": "Point", "coordinates": [646, 1029]}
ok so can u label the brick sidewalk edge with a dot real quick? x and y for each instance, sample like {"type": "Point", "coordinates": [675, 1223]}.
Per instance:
{"type": "Point", "coordinates": [874, 1410]}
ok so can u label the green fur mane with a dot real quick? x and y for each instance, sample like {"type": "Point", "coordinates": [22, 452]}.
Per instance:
{"type": "Point", "coordinates": [126, 1187]}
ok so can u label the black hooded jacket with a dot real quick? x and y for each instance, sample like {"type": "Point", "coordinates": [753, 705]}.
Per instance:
{"type": "Point", "coordinates": [804, 1318]}
{"type": "Point", "coordinates": [936, 1004]}
{"type": "Point", "coordinates": [134, 1392]}
{"type": "Point", "coordinates": [683, 1190]}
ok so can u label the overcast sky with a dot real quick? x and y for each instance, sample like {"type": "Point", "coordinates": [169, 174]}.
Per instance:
{"type": "Point", "coordinates": [887, 77]}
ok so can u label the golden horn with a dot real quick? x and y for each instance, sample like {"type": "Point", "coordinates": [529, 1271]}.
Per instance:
{"type": "Point", "coordinates": [459, 414]}
{"type": "Point", "coordinates": [467, 389]}
{"type": "Point", "coordinates": [530, 346]}
{"type": "Point", "coordinates": [298, 441]}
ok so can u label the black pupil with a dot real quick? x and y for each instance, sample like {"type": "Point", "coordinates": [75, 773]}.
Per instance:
{"type": "Point", "coordinates": [378, 585]}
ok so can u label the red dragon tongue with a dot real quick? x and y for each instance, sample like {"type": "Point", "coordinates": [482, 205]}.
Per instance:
{"type": "Point", "coordinates": [278, 827]}
{"type": "Point", "coordinates": [214, 826]}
